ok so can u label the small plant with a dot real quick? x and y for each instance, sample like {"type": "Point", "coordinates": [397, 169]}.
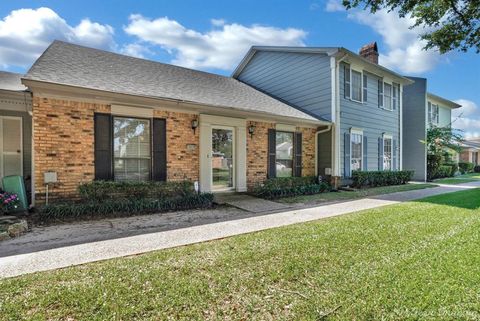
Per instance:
{"type": "Point", "coordinates": [290, 186]}
{"type": "Point", "coordinates": [8, 202]}
{"type": "Point", "coordinates": [380, 178]}
{"type": "Point", "coordinates": [466, 167]}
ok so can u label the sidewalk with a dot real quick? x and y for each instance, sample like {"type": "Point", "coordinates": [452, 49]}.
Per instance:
{"type": "Point", "coordinates": [89, 252]}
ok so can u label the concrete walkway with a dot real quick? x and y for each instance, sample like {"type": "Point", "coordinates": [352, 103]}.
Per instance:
{"type": "Point", "coordinates": [89, 252]}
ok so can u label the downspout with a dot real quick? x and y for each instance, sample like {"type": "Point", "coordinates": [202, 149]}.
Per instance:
{"type": "Point", "coordinates": [336, 96]}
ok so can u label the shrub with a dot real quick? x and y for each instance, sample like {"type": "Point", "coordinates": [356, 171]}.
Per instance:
{"type": "Point", "coordinates": [444, 171]}
{"type": "Point", "coordinates": [433, 163]}
{"type": "Point", "coordinates": [103, 190]}
{"type": "Point", "coordinates": [476, 169]}
{"type": "Point", "coordinates": [380, 178]}
{"type": "Point", "coordinates": [454, 167]}
{"type": "Point", "coordinates": [8, 202]}
{"type": "Point", "coordinates": [115, 207]}
{"type": "Point", "coordinates": [466, 167]}
{"type": "Point", "coordinates": [289, 186]}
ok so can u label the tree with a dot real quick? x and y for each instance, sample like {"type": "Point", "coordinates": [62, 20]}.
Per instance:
{"type": "Point", "coordinates": [449, 24]}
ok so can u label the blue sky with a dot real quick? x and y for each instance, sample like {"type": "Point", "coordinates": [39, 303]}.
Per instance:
{"type": "Point", "coordinates": [214, 36]}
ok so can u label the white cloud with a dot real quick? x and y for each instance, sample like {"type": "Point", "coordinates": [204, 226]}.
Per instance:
{"type": "Point", "coordinates": [220, 48]}
{"type": "Point", "coordinates": [218, 22]}
{"type": "Point", "coordinates": [467, 118]}
{"type": "Point", "coordinates": [26, 33]}
{"type": "Point", "coordinates": [135, 50]}
{"type": "Point", "coordinates": [404, 47]}
{"type": "Point", "coordinates": [334, 6]}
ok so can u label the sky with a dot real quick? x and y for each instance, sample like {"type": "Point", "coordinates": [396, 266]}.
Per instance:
{"type": "Point", "coordinates": [215, 35]}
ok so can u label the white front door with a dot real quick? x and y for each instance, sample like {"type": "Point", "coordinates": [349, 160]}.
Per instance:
{"type": "Point", "coordinates": [11, 149]}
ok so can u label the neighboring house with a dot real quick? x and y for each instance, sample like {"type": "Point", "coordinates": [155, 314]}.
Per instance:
{"type": "Point", "coordinates": [101, 115]}
{"type": "Point", "coordinates": [361, 98]}
{"type": "Point", "coordinates": [421, 109]}
{"type": "Point", "coordinates": [15, 128]}
{"type": "Point", "coordinates": [470, 152]}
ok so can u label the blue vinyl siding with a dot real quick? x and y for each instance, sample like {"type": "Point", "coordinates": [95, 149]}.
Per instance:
{"type": "Point", "coordinates": [368, 117]}
{"type": "Point", "coordinates": [301, 80]}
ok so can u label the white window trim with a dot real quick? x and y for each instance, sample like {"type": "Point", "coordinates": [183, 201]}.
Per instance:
{"type": "Point", "coordinates": [357, 132]}
{"type": "Point", "coordinates": [391, 95]}
{"type": "Point", "coordinates": [389, 137]}
{"type": "Point", "coordinates": [437, 118]}
{"type": "Point", "coordinates": [361, 85]}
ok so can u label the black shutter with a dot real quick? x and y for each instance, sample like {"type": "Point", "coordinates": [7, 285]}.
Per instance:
{"type": "Point", "coordinates": [346, 81]}
{"type": "Point", "coordinates": [365, 153]}
{"type": "Point", "coordinates": [365, 88]}
{"type": "Point", "coordinates": [272, 151]}
{"type": "Point", "coordinates": [380, 93]}
{"type": "Point", "coordinates": [394, 154]}
{"type": "Point", "coordinates": [380, 154]}
{"type": "Point", "coordinates": [297, 145]}
{"type": "Point", "coordinates": [159, 150]}
{"type": "Point", "coordinates": [103, 146]}
{"type": "Point", "coordinates": [346, 155]}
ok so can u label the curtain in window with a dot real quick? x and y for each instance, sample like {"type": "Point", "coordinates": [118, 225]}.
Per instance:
{"type": "Point", "coordinates": [356, 85]}
{"type": "Point", "coordinates": [356, 151]}
{"type": "Point", "coordinates": [387, 154]}
{"type": "Point", "coordinates": [131, 149]}
{"type": "Point", "coordinates": [387, 96]}
{"type": "Point", "coordinates": [284, 154]}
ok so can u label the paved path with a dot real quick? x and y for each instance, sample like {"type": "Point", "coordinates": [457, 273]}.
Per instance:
{"type": "Point", "coordinates": [107, 249]}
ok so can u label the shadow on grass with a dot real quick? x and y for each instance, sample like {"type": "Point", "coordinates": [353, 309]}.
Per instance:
{"type": "Point", "coordinates": [467, 199]}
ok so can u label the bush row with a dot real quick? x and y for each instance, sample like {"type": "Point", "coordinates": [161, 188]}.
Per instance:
{"type": "Point", "coordinates": [289, 186]}
{"type": "Point", "coordinates": [116, 207]}
{"type": "Point", "coordinates": [380, 178]}
{"type": "Point", "coordinates": [476, 169]}
{"type": "Point", "coordinates": [103, 190]}
{"type": "Point", "coordinates": [466, 167]}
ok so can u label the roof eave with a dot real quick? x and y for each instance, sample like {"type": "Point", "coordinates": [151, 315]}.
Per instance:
{"type": "Point", "coordinates": [448, 102]}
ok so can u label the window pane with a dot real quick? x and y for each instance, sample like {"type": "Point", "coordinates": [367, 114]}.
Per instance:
{"type": "Point", "coordinates": [356, 85]}
{"type": "Point", "coordinates": [284, 154]}
{"type": "Point", "coordinates": [356, 151]}
{"type": "Point", "coordinates": [387, 100]}
{"type": "Point", "coordinates": [131, 148]}
{"type": "Point", "coordinates": [387, 154]}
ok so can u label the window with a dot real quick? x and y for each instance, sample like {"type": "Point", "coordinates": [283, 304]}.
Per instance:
{"type": "Point", "coordinates": [365, 89]}
{"type": "Point", "coordinates": [433, 114]}
{"type": "Point", "coordinates": [387, 96]}
{"type": "Point", "coordinates": [356, 86]}
{"type": "Point", "coordinates": [387, 153]}
{"type": "Point", "coordinates": [284, 154]}
{"type": "Point", "coordinates": [356, 148]}
{"type": "Point", "coordinates": [395, 96]}
{"type": "Point", "coordinates": [131, 149]}
{"type": "Point", "coordinates": [380, 93]}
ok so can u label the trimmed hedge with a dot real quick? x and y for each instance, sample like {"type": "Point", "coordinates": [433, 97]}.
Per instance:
{"type": "Point", "coordinates": [444, 171]}
{"type": "Point", "coordinates": [103, 190]}
{"type": "Point", "coordinates": [118, 207]}
{"type": "Point", "coordinates": [466, 167]}
{"type": "Point", "coordinates": [289, 186]}
{"type": "Point", "coordinates": [476, 169]}
{"type": "Point", "coordinates": [380, 178]}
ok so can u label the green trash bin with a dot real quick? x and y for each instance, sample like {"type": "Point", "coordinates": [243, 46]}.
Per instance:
{"type": "Point", "coordinates": [14, 184]}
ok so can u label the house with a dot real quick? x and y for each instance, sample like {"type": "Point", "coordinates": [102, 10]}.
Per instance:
{"type": "Point", "coordinates": [470, 152]}
{"type": "Point", "coordinates": [15, 128]}
{"type": "Point", "coordinates": [105, 116]}
{"type": "Point", "coordinates": [361, 99]}
{"type": "Point", "coordinates": [422, 109]}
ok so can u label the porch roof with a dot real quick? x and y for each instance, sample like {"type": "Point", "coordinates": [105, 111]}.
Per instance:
{"type": "Point", "coordinates": [11, 81]}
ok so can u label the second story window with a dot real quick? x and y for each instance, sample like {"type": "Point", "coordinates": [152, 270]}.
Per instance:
{"type": "Point", "coordinates": [433, 114]}
{"type": "Point", "coordinates": [387, 96]}
{"type": "Point", "coordinates": [365, 89]}
{"type": "Point", "coordinates": [395, 91]}
{"type": "Point", "coordinates": [356, 86]}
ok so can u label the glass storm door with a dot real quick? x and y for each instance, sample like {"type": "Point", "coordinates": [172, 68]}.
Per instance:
{"type": "Point", "coordinates": [10, 146]}
{"type": "Point", "coordinates": [222, 159]}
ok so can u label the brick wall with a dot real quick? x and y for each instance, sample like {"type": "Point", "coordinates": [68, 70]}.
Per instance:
{"type": "Point", "coordinates": [257, 152]}
{"type": "Point", "coordinates": [63, 132]}
{"type": "Point", "coordinates": [465, 156]}
{"type": "Point", "coordinates": [182, 162]}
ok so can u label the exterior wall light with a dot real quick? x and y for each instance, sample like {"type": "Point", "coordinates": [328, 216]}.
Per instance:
{"type": "Point", "coordinates": [251, 130]}
{"type": "Point", "coordinates": [194, 125]}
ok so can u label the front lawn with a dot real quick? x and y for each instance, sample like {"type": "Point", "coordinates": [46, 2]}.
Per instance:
{"type": "Point", "coordinates": [465, 178]}
{"type": "Point", "coordinates": [350, 195]}
{"type": "Point", "coordinates": [411, 261]}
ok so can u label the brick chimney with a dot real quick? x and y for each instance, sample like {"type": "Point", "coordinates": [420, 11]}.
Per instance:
{"type": "Point", "coordinates": [370, 52]}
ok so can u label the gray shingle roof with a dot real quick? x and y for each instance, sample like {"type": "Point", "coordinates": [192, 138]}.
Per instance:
{"type": "Point", "coordinates": [69, 64]}
{"type": "Point", "coordinates": [11, 81]}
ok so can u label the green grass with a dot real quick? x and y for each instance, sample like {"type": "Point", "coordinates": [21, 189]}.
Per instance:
{"type": "Point", "coordinates": [465, 178]}
{"type": "Point", "coordinates": [412, 261]}
{"type": "Point", "coordinates": [345, 195]}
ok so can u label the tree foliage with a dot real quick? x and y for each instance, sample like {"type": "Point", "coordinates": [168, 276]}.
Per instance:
{"type": "Point", "coordinates": [449, 24]}
{"type": "Point", "coordinates": [440, 139]}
